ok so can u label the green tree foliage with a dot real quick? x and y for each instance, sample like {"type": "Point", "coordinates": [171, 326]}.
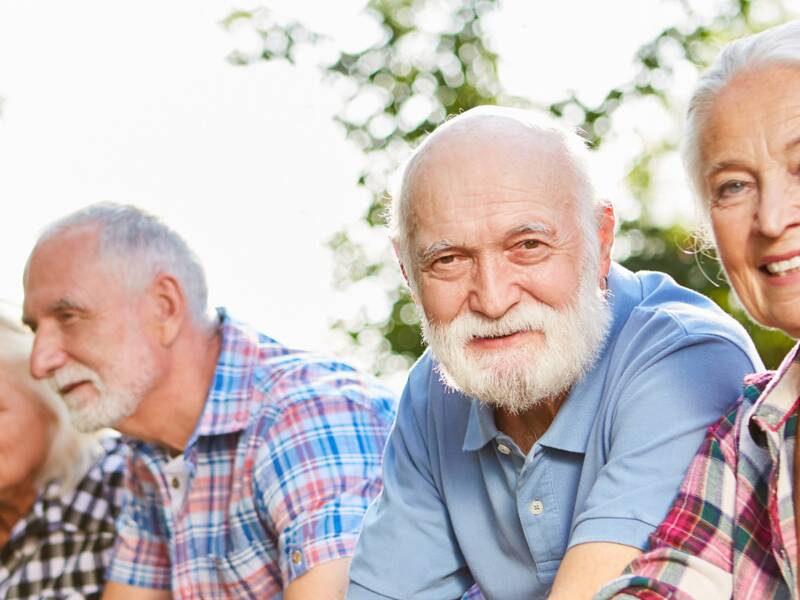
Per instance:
{"type": "Point", "coordinates": [433, 59]}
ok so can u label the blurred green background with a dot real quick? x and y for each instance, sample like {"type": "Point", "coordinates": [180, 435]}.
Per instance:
{"type": "Point", "coordinates": [411, 71]}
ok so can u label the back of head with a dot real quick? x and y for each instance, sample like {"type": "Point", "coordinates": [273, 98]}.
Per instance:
{"type": "Point", "coordinates": [479, 129]}
{"type": "Point", "coordinates": [141, 246]}
{"type": "Point", "coordinates": [70, 451]}
{"type": "Point", "coordinates": [777, 45]}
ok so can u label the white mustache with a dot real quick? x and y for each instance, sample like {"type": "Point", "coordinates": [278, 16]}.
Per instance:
{"type": "Point", "coordinates": [525, 317]}
{"type": "Point", "coordinates": [73, 373]}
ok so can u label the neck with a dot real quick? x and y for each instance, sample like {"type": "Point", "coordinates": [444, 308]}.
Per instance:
{"type": "Point", "coordinates": [169, 415]}
{"type": "Point", "coordinates": [527, 427]}
{"type": "Point", "coordinates": [15, 503]}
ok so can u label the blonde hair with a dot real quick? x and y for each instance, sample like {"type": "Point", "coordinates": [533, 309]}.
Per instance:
{"type": "Point", "coordinates": [71, 452]}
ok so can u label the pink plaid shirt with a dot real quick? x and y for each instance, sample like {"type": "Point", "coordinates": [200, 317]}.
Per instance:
{"type": "Point", "coordinates": [731, 531]}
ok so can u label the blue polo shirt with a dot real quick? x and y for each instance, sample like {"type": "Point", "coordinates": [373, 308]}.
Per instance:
{"type": "Point", "coordinates": [462, 504]}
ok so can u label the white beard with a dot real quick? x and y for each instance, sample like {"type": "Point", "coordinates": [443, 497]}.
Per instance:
{"type": "Point", "coordinates": [113, 400]}
{"type": "Point", "coordinates": [536, 371]}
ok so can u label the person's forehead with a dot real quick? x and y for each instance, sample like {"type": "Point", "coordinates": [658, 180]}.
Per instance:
{"type": "Point", "coordinates": [762, 99]}
{"type": "Point", "coordinates": [63, 267]}
{"type": "Point", "coordinates": [500, 180]}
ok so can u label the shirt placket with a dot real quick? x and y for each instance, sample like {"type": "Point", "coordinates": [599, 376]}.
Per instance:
{"type": "Point", "coordinates": [538, 511]}
{"type": "Point", "coordinates": [780, 506]}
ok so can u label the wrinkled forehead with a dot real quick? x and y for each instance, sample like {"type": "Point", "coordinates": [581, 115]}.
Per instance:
{"type": "Point", "coordinates": [68, 247]}
{"type": "Point", "coordinates": [63, 267]}
{"type": "Point", "coordinates": [488, 169]}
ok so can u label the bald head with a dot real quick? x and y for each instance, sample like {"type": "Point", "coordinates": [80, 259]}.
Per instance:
{"type": "Point", "coordinates": [514, 150]}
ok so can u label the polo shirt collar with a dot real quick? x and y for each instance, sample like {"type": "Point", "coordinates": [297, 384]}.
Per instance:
{"type": "Point", "coordinates": [571, 427]}
{"type": "Point", "coordinates": [481, 428]}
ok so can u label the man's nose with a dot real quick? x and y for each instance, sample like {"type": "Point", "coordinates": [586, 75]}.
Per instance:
{"type": "Point", "coordinates": [495, 290]}
{"type": "Point", "coordinates": [47, 355]}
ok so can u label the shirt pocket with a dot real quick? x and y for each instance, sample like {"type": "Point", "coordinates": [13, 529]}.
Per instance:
{"type": "Point", "coordinates": [244, 573]}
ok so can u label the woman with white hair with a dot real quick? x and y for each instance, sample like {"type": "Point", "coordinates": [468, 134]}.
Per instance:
{"type": "Point", "coordinates": [733, 529]}
{"type": "Point", "coordinates": [60, 490]}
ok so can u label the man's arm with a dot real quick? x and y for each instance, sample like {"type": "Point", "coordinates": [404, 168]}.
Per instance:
{"type": "Point", "coordinates": [691, 553]}
{"type": "Point", "coordinates": [586, 567]}
{"type": "Point", "coordinates": [407, 547]}
{"type": "Point", "coordinates": [327, 581]}
{"type": "Point", "coordinates": [316, 472]}
{"type": "Point", "coordinates": [659, 411]}
{"type": "Point", "coordinates": [120, 591]}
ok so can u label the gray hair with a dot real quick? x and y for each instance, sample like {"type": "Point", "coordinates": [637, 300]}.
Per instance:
{"type": "Point", "coordinates": [777, 45]}
{"type": "Point", "coordinates": [402, 224]}
{"type": "Point", "coordinates": [71, 452]}
{"type": "Point", "coordinates": [143, 247]}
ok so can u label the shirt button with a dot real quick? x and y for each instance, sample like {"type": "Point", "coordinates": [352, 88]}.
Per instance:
{"type": "Point", "coordinates": [176, 483]}
{"type": "Point", "coordinates": [536, 508]}
{"type": "Point", "coordinates": [503, 449]}
{"type": "Point", "coordinates": [297, 557]}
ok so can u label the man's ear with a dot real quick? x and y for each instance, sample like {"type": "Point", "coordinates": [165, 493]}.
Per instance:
{"type": "Point", "coordinates": [169, 307]}
{"type": "Point", "coordinates": [606, 224]}
{"type": "Point", "coordinates": [403, 271]}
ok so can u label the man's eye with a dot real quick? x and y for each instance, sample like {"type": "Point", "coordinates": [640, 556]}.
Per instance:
{"type": "Point", "coordinates": [445, 260]}
{"type": "Point", "coordinates": [531, 244]}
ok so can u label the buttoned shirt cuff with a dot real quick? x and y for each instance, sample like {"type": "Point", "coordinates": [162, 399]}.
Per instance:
{"type": "Point", "coordinates": [299, 558]}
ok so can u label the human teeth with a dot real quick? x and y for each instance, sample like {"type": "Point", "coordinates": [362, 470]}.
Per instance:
{"type": "Point", "coordinates": [782, 266]}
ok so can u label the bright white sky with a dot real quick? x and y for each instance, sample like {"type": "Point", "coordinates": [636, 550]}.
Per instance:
{"type": "Point", "coordinates": [134, 102]}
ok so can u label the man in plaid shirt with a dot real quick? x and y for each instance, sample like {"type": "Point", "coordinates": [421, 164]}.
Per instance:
{"type": "Point", "coordinates": [252, 464]}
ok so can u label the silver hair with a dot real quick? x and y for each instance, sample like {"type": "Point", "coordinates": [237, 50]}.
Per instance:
{"type": "Point", "coordinates": [402, 224]}
{"type": "Point", "coordinates": [143, 246]}
{"type": "Point", "coordinates": [71, 452]}
{"type": "Point", "coordinates": [777, 45]}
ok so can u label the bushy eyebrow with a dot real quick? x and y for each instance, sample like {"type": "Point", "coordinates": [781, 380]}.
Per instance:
{"type": "Point", "coordinates": [529, 228]}
{"type": "Point", "coordinates": [431, 250]}
{"type": "Point", "coordinates": [60, 305]}
{"type": "Point", "coordinates": [725, 165]}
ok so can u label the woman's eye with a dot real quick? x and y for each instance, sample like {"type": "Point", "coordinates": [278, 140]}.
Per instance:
{"type": "Point", "coordinates": [731, 188]}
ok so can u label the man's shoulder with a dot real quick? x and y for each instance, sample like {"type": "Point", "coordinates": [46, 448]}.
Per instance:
{"type": "Point", "coordinates": [667, 312]}
{"type": "Point", "coordinates": [282, 374]}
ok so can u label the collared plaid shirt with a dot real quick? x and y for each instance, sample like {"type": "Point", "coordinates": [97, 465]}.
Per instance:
{"type": "Point", "coordinates": [282, 465]}
{"type": "Point", "coordinates": [62, 547]}
{"type": "Point", "coordinates": [731, 531]}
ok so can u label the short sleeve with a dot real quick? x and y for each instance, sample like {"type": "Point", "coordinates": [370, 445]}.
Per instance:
{"type": "Point", "coordinates": [407, 548]}
{"type": "Point", "coordinates": [141, 552]}
{"type": "Point", "coordinates": [317, 470]}
{"type": "Point", "coordinates": [662, 408]}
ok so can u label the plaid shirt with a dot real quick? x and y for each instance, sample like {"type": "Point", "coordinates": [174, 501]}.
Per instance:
{"type": "Point", "coordinates": [731, 531]}
{"type": "Point", "coordinates": [282, 465]}
{"type": "Point", "coordinates": [61, 548]}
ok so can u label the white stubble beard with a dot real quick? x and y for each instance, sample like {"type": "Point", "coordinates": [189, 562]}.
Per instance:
{"type": "Point", "coordinates": [518, 379]}
{"type": "Point", "coordinates": [115, 399]}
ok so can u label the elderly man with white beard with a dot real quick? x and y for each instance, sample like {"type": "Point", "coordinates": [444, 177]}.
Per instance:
{"type": "Point", "coordinates": [544, 434]}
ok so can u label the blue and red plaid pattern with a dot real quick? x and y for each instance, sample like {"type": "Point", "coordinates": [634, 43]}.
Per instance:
{"type": "Point", "coordinates": [282, 466]}
{"type": "Point", "coordinates": [731, 530]}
